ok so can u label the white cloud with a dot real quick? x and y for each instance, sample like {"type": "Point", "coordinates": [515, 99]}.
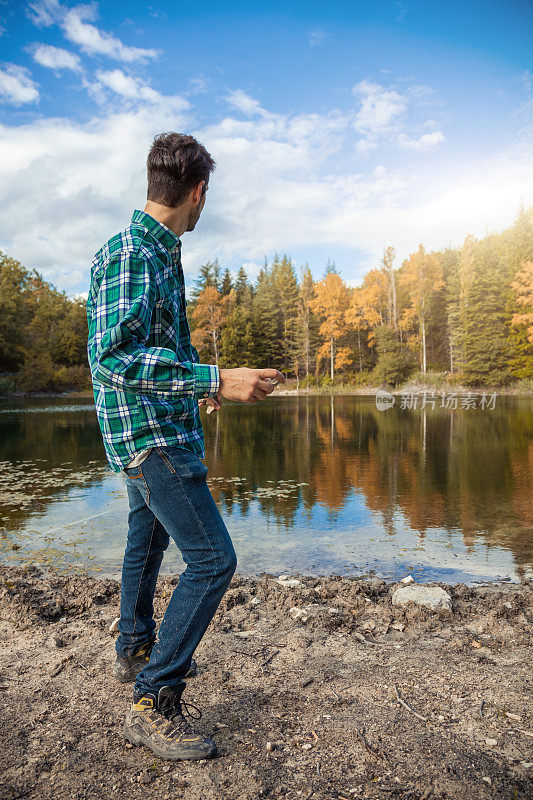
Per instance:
{"type": "Point", "coordinates": [133, 90]}
{"type": "Point", "coordinates": [395, 116]}
{"type": "Point", "coordinates": [380, 107]}
{"type": "Point", "coordinates": [316, 37]}
{"type": "Point", "coordinates": [17, 86]}
{"type": "Point", "coordinates": [241, 101]}
{"type": "Point", "coordinates": [77, 27]}
{"type": "Point", "coordinates": [127, 86]}
{"type": "Point", "coordinates": [277, 187]}
{"type": "Point", "coordinates": [43, 13]}
{"type": "Point", "coordinates": [55, 57]}
{"type": "Point", "coordinates": [425, 142]}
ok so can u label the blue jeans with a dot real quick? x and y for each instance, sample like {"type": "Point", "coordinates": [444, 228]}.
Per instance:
{"type": "Point", "coordinates": [169, 497]}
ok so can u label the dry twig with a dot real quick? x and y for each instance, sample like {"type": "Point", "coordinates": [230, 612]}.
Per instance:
{"type": "Point", "coordinates": [60, 666]}
{"type": "Point", "coordinates": [404, 704]}
{"type": "Point", "coordinates": [269, 659]}
{"type": "Point", "coordinates": [370, 749]}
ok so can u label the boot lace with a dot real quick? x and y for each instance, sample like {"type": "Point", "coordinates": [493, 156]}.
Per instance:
{"type": "Point", "coordinates": [178, 713]}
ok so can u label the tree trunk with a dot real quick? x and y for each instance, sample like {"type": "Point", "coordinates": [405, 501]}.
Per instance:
{"type": "Point", "coordinates": [423, 325]}
{"type": "Point", "coordinates": [394, 311]}
{"type": "Point", "coordinates": [215, 346]}
{"type": "Point", "coordinates": [451, 355]}
{"type": "Point", "coordinates": [332, 367]}
{"type": "Point", "coordinates": [359, 346]}
{"type": "Point", "coordinates": [307, 349]}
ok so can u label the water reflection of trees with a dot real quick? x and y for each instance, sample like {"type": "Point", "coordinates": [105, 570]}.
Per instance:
{"type": "Point", "coordinates": [62, 450]}
{"type": "Point", "coordinates": [467, 472]}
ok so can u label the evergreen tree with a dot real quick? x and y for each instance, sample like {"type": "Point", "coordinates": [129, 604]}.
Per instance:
{"type": "Point", "coordinates": [285, 285]}
{"type": "Point", "coordinates": [307, 323]}
{"type": "Point", "coordinates": [207, 276]}
{"type": "Point", "coordinates": [421, 276]}
{"type": "Point", "coordinates": [237, 341]}
{"type": "Point", "coordinates": [241, 285]}
{"type": "Point", "coordinates": [330, 269]}
{"type": "Point", "coordinates": [227, 285]}
{"type": "Point", "coordinates": [266, 320]}
{"type": "Point", "coordinates": [485, 346]}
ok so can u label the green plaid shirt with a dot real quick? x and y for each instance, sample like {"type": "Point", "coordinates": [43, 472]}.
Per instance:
{"type": "Point", "coordinates": [145, 371]}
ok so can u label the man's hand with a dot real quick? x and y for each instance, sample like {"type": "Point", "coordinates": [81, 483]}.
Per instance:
{"type": "Point", "coordinates": [212, 403]}
{"type": "Point", "coordinates": [248, 385]}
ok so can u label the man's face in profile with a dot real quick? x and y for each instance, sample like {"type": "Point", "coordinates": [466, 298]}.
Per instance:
{"type": "Point", "coordinates": [194, 215]}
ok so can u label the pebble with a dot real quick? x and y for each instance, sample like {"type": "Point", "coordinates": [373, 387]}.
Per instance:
{"type": "Point", "coordinates": [491, 742]}
{"type": "Point", "coordinates": [298, 613]}
{"type": "Point", "coordinates": [487, 779]}
{"type": "Point", "coordinates": [408, 579]}
{"type": "Point", "coordinates": [290, 583]}
{"type": "Point", "coordinates": [114, 625]}
{"type": "Point", "coordinates": [432, 597]}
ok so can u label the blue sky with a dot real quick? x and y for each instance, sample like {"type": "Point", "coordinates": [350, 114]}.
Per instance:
{"type": "Point", "coordinates": [337, 128]}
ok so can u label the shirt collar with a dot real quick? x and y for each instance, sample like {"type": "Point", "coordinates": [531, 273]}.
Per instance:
{"type": "Point", "coordinates": [167, 238]}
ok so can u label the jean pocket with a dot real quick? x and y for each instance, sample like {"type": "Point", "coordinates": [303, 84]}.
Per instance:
{"type": "Point", "coordinates": [183, 462]}
{"type": "Point", "coordinates": [134, 476]}
{"type": "Point", "coordinates": [133, 472]}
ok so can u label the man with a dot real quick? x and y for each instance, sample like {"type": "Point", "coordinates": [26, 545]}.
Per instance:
{"type": "Point", "coordinates": [148, 384]}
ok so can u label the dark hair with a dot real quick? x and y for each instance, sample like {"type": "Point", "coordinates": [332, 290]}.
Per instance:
{"type": "Point", "coordinates": [176, 164]}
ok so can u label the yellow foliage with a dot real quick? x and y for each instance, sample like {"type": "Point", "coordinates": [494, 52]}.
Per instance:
{"type": "Point", "coordinates": [330, 302]}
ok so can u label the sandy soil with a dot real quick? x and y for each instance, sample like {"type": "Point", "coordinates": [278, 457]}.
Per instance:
{"type": "Point", "coordinates": [300, 708]}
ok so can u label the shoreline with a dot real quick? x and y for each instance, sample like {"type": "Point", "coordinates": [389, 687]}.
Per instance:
{"type": "Point", "coordinates": [363, 391]}
{"type": "Point", "coordinates": [313, 687]}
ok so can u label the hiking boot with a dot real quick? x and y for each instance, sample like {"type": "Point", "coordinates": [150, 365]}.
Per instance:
{"type": "Point", "coordinates": [158, 721]}
{"type": "Point", "coordinates": [126, 668]}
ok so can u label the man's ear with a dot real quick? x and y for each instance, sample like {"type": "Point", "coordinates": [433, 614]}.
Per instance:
{"type": "Point", "coordinates": [197, 192]}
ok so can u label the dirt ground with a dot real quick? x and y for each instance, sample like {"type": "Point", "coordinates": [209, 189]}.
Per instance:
{"type": "Point", "coordinates": [300, 686]}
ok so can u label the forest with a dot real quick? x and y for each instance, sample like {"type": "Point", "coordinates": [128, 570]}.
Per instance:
{"type": "Point", "coordinates": [462, 314]}
{"type": "Point", "coordinates": [466, 312]}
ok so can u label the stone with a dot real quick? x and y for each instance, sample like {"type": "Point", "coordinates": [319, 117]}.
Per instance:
{"type": "Point", "coordinates": [407, 579]}
{"type": "Point", "coordinates": [432, 597]}
{"type": "Point", "coordinates": [299, 613]}
{"type": "Point", "coordinates": [290, 583]}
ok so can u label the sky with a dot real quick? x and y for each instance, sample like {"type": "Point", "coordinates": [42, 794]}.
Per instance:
{"type": "Point", "coordinates": [338, 128]}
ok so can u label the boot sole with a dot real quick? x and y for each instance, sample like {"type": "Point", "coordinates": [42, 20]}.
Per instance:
{"type": "Point", "coordinates": [160, 752]}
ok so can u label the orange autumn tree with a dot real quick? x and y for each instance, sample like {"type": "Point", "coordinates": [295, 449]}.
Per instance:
{"type": "Point", "coordinates": [330, 302]}
{"type": "Point", "coordinates": [373, 300]}
{"type": "Point", "coordinates": [209, 315]}
{"type": "Point", "coordinates": [421, 277]}
{"type": "Point", "coordinates": [355, 318]}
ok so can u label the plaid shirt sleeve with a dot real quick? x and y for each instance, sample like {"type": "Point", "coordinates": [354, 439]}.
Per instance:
{"type": "Point", "coordinates": [123, 310]}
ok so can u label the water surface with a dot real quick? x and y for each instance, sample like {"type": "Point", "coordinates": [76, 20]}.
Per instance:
{"type": "Point", "coordinates": [309, 484]}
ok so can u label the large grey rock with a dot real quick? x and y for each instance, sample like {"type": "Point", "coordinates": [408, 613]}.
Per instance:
{"type": "Point", "coordinates": [432, 597]}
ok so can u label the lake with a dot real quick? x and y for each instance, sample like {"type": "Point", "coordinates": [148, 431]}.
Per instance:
{"type": "Point", "coordinates": [311, 484]}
